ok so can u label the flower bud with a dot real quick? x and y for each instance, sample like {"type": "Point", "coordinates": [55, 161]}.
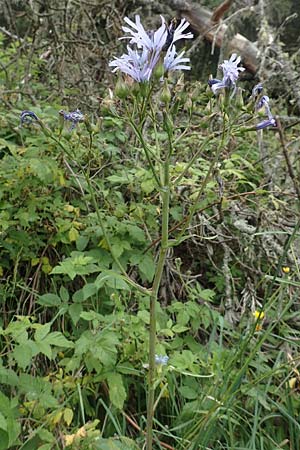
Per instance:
{"type": "Point", "coordinates": [166, 93]}
{"type": "Point", "coordinates": [158, 72]}
{"type": "Point", "coordinates": [121, 89]}
{"type": "Point", "coordinates": [239, 98]}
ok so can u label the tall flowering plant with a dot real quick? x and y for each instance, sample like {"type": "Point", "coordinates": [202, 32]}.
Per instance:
{"type": "Point", "coordinates": [145, 97]}
{"type": "Point", "coordinates": [150, 57]}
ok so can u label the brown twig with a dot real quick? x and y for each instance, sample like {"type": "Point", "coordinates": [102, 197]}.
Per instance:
{"type": "Point", "coordinates": [137, 427]}
{"type": "Point", "coordinates": [287, 158]}
{"type": "Point", "coordinates": [220, 11]}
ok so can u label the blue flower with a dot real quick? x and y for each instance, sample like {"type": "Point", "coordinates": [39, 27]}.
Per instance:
{"type": "Point", "coordinates": [161, 359]}
{"type": "Point", "coordinates": [75, 117]}
{"type": "Point", "coordinates": [230, 74]}
{"type": "Point", "coordinates": [136, 64]}
{"type": "Point", "coordinates": [258, 88]}
{"type": "Point", "coordinates": [172, 61]}
{"type": "Point", "coordinates": [266, 123]}
{"type": "Point", "coordinates": [140, 61]}
{"type": "Point", "coordinates": [263, 102]}
{"type": "Point", "coordinates": [28, 117]}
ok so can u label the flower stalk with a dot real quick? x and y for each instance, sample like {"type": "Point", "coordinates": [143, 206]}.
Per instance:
{"type": "Point", "coordinates": [165, 200]}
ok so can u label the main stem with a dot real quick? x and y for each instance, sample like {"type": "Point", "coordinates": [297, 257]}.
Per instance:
{"type": "Point", "coordinates": [165, 198]}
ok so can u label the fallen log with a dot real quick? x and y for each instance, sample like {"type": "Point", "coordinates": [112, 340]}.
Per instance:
{"type": "Point", "coordinates": [207, 24]}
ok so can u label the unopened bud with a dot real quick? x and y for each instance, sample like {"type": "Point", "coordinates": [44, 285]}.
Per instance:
{"type": "Point", "coordinates": [158, 72]}
{"type": "Point", "coordinates": [166, 93]}
{"type": "Point", "coordinates": [121, 89]}
{"type": "Point", "coordinates": [239, 98]}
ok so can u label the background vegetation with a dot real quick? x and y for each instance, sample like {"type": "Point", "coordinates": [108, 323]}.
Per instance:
{"type": "Point", "coordinates": [74, 336]}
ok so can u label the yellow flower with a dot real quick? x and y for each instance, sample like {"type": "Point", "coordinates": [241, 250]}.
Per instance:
{"type": "Point", "coordinates": [286, 269]}
{"type": "Point", "coordinates": [258, 315]}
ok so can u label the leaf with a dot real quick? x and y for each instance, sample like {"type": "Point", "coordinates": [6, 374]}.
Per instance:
{"type": "Point", "coordinates": [8, 376]}
{"type": "Point", "coordinates": [91, 315]}
{"type": "Point", "coordinates": [45, 447]}
{"type": "Point", "coordinates": [117, 392]}
{"type": "Point", "coordinates": [89, 290]}
{"type": "Point", "coordinates": [73, 234]}
{"type": "Point", "coordinates": [148, 186]}
{"type": "Point", "coordinates": [180, 328]}
{"type": "Point", "coordinates": [3, 424]}
{"type": "Point", "coordinates": [188, 392]}
{"type": "Point", "coordinates": [68, 416]}
{"type": "Point", "coordinates": [75, 310]}
{"type": "Point", "coordinates": [64, 294]}
{"type": "Point", "coordinates": [49, 300]}
{"type": "Point", "coordinates": [22, 354]}
{"type": "Point", "coordinates": [144, 316]}
{"type": "Point", "coordinates": [45, 435]}
{"type": "Point", "coordinates": [120, 443]}
{"type": "Point", "coordinates": [3, 440]}
{"type": "Point", "coordinates": [44, 348]}
{"type": "Point", "coordinates": [58, 339]}
{"type": "Point", "coordinates": [82, 242]}
{"type": "Point", "coordinates": [117, 179]}
{"type": "Point", "coordinates": [42, 331]}
{"type": "Point", "coordinates": [111, 279]}
{"type": "Point", "coordinates": [147, 267]}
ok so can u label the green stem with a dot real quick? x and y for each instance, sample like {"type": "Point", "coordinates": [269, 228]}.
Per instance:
{"type": "Point", "coordinates": [165, 198]}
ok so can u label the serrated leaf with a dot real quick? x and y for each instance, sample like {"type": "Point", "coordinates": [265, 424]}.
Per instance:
{"type": "Point", "coordinates": [117, 392]}
{"type": "Point", "coordinates": [44, 348]}
{"type": "Point", "coordinates": [22, 354]}
{"type": "Point", "coordinates": [8, 376]}
{"type": "Point", "coordinates": [58, 339]}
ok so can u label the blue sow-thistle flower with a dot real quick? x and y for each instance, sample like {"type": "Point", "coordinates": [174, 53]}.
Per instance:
{"type": "Point", "coordinates": [230, 74]}
{"type": "Point", "coordinates": [270, 121]}
{"type": "Point", "coordinates": [28, 117]}
{"type": "Point", "coordinates": [74, 117]}
{"type": "Point", "coordinates": [146, 49]}
{"type": "Point", "coordinates": [161, 360]}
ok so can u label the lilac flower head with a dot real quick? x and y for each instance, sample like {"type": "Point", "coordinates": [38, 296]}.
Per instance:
{"type": "Point", "coordinates": [230, 74]}
{"type": "Point", "coordinates": [136, 64]}
{"type": "Point", "coordinates": [28, 117]}
{"type": "Point", "coordinates": [231, 70]}
{"type": "Point", "coordinates": [140, 60]}
{"type": "Point", "coordinates": [172, 61]}
{"type": "Point", "coordinates": [75, 117]}
{"type": "Point", "coordinates": [161, 359]}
